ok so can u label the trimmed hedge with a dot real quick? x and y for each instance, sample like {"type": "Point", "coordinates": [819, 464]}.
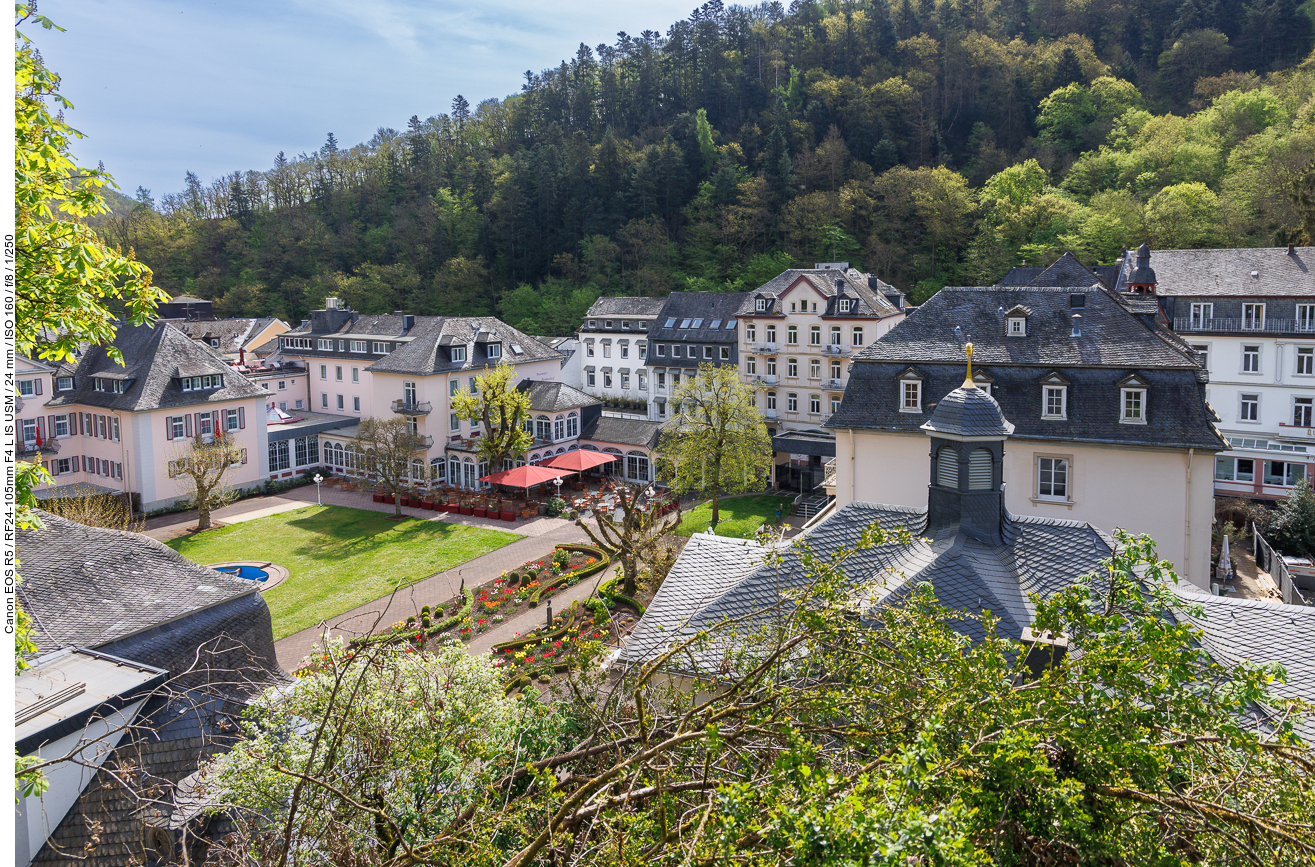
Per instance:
{"type": "Point", "coordinates": [568, 618]}
{"type": "Point", "coordinates": [430, 629]}
{"type": "Point", "coordinates": [603, 561]}
{"type": "Point", "coordinates": [612, 596]}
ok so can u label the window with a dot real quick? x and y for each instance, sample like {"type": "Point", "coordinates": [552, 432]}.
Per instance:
{"type": "Point", "coordinates": [62, 466]}
{"type": "Point", "coordinates": [725, 353]}
{"type": "Point", "coordinates": [591, 379]}
{"type": "Point", "coordinates": [707, 352]}
{"type": "Point", "coordinates": [231, 420]}
{"type": "Point", "coordinates": [643, 350]}
{"type": "Point", "coordinates": [1301, 412]}
{"type": "Point", "coordinates": [750, 365]}
{"type": "Point", "coordinates": [572, 425]}
{"type": "Point", "coordinates": [684, 323]}
{"type": "Point", "coordinates": [771, 365]}
{"type": "Point", "coordinates": [1249, 407]}
{"type": "Point", "coordinates": [1235, 469]}
{"type": "Point", "coordinates": [607, 379]}
{"type": "Point", "coordinates": [453, 423]}
{"type": "Point", "coordinates": [792, 368]}
{"type": "Point", "coordinates": [283, 385]}
{"type": "Point", "coordinates": [625, 350]}
{"type": "Point", "coordinates": [379, 348]}
{"type": "Point", "coordinates": [637, 467]}
{"type": "Point", "coordinates": [324, 371]}
{"type": "Point", "coordinates": [815, 404]}
{"type": "Point", "coordinates": [278, 456]}
{"type": "Point", "coordinates": [835, 370]}
{"type": "Point", "coordinates": [205, 425]}
{"type": "Point", "coordinates": [28, 387]}
{"type": "Point", "coordinates": [791, 402]}
{"type": "Point", "coordinates": [559, 427]}
{"type": "Point", "coordinates": [358, 346]}
{"type": "Point", "coordinates": [30, 431]}
{"type": "Point", "coordinates": [716, 323]}
{"type": "Point", "coordinates": [793, 307]}
{"type": "Point", "coordinates": [771, 334]}
{"type": "Point", "coordinates": [1201, 316]}
{"type": "Point", "coordinates": [474, 389]}
{"type": "Point", "coordinates": [340, 401]}
{"type": "Point", "coordinates": [1134, 406]}
{"type": "Point", "coordinates": [298, 403]}
{"type": "Point", "coordinates": [607, 349]}
{"type": "Point", "coordinates": [1306, 317]}
{"type": "Point", "coordinates": [835, 336]}
{"type": "Point", "coordinates": [458, 353]}
{"type": "Point", "coordinates": [1055, 402]}
{"type": "Point", "coordinates": [1253, 317]}
{"type": "Point", "coordinates": [1016, 326]}
{"type": "Point", "coordinates": [625, 380]}
{"type": "Point", "coordinates": [671, 322]}
{"type": "Point", "coordinates": [326, 346]}
{"type": "Point", "coordinates": [356, 404]}
{"type": "Point", "coordinates": [844, 305]}
{"type": "Point", "coordinates": [911, 395]}
{"type": "Point", "coordinates": [771, 400]}
{"type": "Point", "coordinates": [337, 372]}
{"type": "Point", "coordinates": [643, 381]}
{"type": "Point", "coordinates": [760, 304]}
{"type": "Point", "coordinates": [698, 323]}
{"type": "Point", "coordinates": [815, 336]}
{"type": "Point", "coordinates": [857, 338]}
{"type": "Point", "coordinates": [609, 325]}
{"type": "Point", "coordinates": [324, 400]}
{"type": "Point", "coordinates": [356, 374]}
{"type": "Point", "coordinates": [750, 332]}
{"type": "Point", "coordinates": [295, 342]}
{"type": "Point", "coordinates": [662, 380]}
{"type": "Point", "coordinates": [814, 368]}
{"type": "Point", "coordinates": [1306, 360]}
{"type": "Point", "coordinates": [64, 383]}
{"type": "Point", "coordinates": [1250, 358]}
{"type": "Point", "coordinates": [1284, 473]}
{"type": "Point", "coordinates": [1052, 479]}
{"type": "Point", "coordinates": [543, 428]}
{"type": "Point", "coordinates": [662, 349]}
{"type": "Point", "coordinates": [61, 426]}
{"type": "Point", "coordinates": [1202, 351]}
{"type": "Point", "coordinates": [677, 351]}
{"type": "Point", "coordinates": [792, 335]}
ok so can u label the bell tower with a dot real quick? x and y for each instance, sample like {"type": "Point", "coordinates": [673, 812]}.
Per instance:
{"type": "Point", "coordinates": [966, 493]}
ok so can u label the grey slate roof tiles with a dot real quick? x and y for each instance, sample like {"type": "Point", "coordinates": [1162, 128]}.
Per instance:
{"type": "Point", "coordinates": [703, 307]}
{"type": "Point", "coordinates": [92, 587]}
{"type": "Point", "coordinates": [232, 334]}
{"type": "Point", "coordinates": [555, 396]}
{"type": "Point", "coordinates": [968, 412]}
{"type": "Point", "coordinates": [153, 359]}
{"type": "Point", "coordinates": [622, 431]}
{"type": "Point", "coordinates": [422, 355]}
{"type": "Point", "coordinates": [1222, 273]}
{"type": "Point", "coordinates": [858, 286]}
{"type": "Point", "coordinates": [626, 305]}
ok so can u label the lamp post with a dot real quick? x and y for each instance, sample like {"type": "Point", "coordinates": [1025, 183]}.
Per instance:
{"type": "Point", "coordinates": [558, 482]}
{"type": "Point", "coordinates": [318, 479]}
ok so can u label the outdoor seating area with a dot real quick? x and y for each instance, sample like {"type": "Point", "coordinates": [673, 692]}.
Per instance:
{"type": "Point", "coordinates": [508, 503]}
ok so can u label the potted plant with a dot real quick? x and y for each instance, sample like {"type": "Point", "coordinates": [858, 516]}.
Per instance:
{"type": "Point", "coordinates": [507, 514]}
{"type": "Point", "coordinates": [481, 511]}
{"type": "Point", "coordinates": [466, 507]}
{"type": "Point", "coordinates": [453, 507]}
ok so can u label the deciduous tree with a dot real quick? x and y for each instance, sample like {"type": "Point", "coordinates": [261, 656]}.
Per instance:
{"type": "Point", "coordinates": [385, 450]}
{"type": "Point", "coordinates": [200, 469]}
{"type": "Point", "coordinates": [502, 410]}
{"type": "Point", "coordinates": [636, 536]}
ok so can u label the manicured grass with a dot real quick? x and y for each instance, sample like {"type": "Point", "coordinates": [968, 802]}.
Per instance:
{"type": "Point", "coordinates": [339, 558]}
{"type": "Point", "coordinates": [740, 516]}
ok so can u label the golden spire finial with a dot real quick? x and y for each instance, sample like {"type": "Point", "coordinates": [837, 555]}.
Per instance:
{"type": "Point", "coordinates": [968, 380]}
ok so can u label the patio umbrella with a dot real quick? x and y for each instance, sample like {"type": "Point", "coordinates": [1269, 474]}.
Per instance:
{"type": "Point", "coordinates": [580, 460]}
{"type": "Point", "coordinates": [525, 477]}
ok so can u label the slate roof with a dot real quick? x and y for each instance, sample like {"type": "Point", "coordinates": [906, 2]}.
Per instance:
{"type": "Point", "coordinates": [870, 292]}
{"type": "Point", "coordinates": [714, 579]}
{"type": "Point", "coordinates": [626, 305]}
{"type": "Point", "coordinates": [1113, 344]}
{"type": "Point", "coordinates": [91, 586]}
{"type": "Point", "coordinates": [555, 396]}
{"type": "Point", "coordinates": [968, 412]}
{"type": "Point", "coordinates": [1111, 337]}
{"type": "Point", "coordinates": [1064, 271]}
{"type": "Point", "coordinates": [1225, 273]}
{"type": "Point", "coordinates": [708, 307]}
{"type": "Point", "coordinates": [622, 431]}
{"type": "Point", "coordinates": [422, 355]}
{"type": "Point", "coordinates": [233, 334]}
{"type": "Point", "coordinates": [153, 358]}
{"type": "Point", "coordinates": [1238, 630]}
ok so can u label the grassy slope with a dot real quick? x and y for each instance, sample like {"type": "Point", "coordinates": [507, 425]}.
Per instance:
{"type": "Point", "coordinates": [740, 516]}
{"type": "Point", "coordinates": [339, 558]}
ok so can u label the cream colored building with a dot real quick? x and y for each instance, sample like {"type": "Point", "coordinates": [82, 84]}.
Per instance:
{"type": "Point", "coordinates": [1112, 426]}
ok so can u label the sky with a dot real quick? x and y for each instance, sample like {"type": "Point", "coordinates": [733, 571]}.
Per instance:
{"type": "Point", "coordinates": [160, 88]}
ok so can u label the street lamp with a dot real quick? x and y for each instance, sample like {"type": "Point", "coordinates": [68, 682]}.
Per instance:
{"type": "Point", "coordinates": [558, 482]}
{"type": "Point", "coordinates": [318, 479]}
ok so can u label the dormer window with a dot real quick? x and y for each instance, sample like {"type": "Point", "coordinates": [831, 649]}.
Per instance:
{"type": "Point", "coordinates": [698, 323]}
{"type": "Point", "coordinates": [593, 323]}
{"type": "Point", "coordinates": [684, 323]}
{"type": "Point", "coordinates": [910, 391]}
{"type": "Point", "coordinates": [760, 304]}
{"type": "Point", "coordinates": [609, 325]}
{"type": "Point", "coordinates": [458, 353]}
{"type": "Point", "coordinates": [494, 350]}
{"type": "Point", "coordinates": [1016, 321]}
{"type": "Point", "coordinates": [844, 305]}
{"type": "Point", "coordinates": [625, 324]}
{"type": "Point", "coordinates": [64, 383]}
{"type": "Point", "coordinates": [1054, 397]}
{"type": "Point", "coordinates": [1132, 400]}
{"type": "Point", "coordinates": [379, 348]}
{"type": "Point", "coordinates": [196, 383]}
{"type": "Point", "coordinates": [325, 345]}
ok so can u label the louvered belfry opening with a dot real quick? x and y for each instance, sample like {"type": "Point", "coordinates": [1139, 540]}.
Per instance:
{"type": "Point", "coordinates": [947, 468]}
{"type": "Point", "coordinates": [966, 494]}
{"type": "Point", "coordinates": [981, 470]}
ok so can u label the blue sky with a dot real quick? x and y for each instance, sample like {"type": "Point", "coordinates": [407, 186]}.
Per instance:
{"type": "Point", "coordinates": [162, 87]}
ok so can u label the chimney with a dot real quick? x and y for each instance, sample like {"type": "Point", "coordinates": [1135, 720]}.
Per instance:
{"type": "Point", "coordinates": [330, 303]}
{"type": "Point", "coordinates": [408, 321]}
{"type": "Point", "coordinates": [1292, 249]}
{"type": "Point", "coordinates": [1077, 325]}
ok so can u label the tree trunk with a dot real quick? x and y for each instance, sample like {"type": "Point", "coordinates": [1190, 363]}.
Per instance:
{"type": "Point", "coordinates": [629, 576]}
{"type": "Point", "coordinates": [397, 502]}
{"type": "Point", "coordinates": [202, 513]}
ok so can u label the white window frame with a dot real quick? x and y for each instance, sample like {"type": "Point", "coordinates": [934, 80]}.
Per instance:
{"type": "Point", "coordinates": [856, 336]}
{"type": "Point", "coordinates": [750, 365]}
{"type": "Point", "coordinates": [1306, 317]}
{"type": "Point", "coordinates": [379, 348]}
{"type": "Point", "coordinates": [358, 345]}
{"type": "Point", "coordinates": [1061, 463]}
{"type": "Point", "coordinates": [1304, 357]}
{"type": "Point", "coordinates": [791, 402]}
{"type": "Point", "coordinates": [1125, 394]}
{"type": "Point", "coordinates": [1016, 326]}
{"type": "Point", "coordinates": [725, 353]}
{"type": "Point", "coordinates": [324, 372]}
{"type": "Point", "coordinates": [326, 345]}
{"type": "Point", "coordinates": [815, 335]}
{"type": "Point", "coordinates": [844, 305]}
{"type": "Point", "coordinates": [1202, 312]}
{"type": "Point", "coordinates": [1259, 348]}
{"type": "Point", "coordinates": [1253, 317]}
{"type": "Point", "coordinates": [1203, 351]}
{"type": "Point", "coordinates": [910, 395]}
{"type": "Point", "coordinates": [760, 304]}
{"type": "Point", "coordinates": [792, 335]}
{"type": "Point", "coordinates": [458, 354]}
{"type": "Point", "coordinates": [750, 332]}
{"type": "Point", "coordinates": [1049, 391]}
{"type": "Point", "coordinates": [1300, 404]}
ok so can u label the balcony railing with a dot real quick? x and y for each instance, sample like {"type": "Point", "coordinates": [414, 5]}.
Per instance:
{"type": "Point", "coordinates": [835, 384]}
{"type": "Point", "coordinates": [18, 403]}
{"type": "Point", "coordinates": [27, 448]}
{"type": "Point", "coordinates": [836, 349]}
{"type": "Point", "coordinates": [763, 349]}
{"type": "Point", "coordinates": [763, 379]}
{"type": "Point", "coordinates": [425, 440]}
{"type": "Point", "coordinates": [1243, 326]}
{"type": "Point", "coordinates": [411, 407]}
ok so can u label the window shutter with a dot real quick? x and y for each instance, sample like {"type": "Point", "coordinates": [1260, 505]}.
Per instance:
{"type": "Point", "coordinates": [50, 424]}
{"type": "Point", "coordinates": [947, 468]}
{"type": "Point", "coordinates": [980, 470]}
{"type": "Point", "coordinates": [241, 418]}
{"type": "Point", "coordinates": [37, 384]}
{"type": "Point", "coordinates": [168, 427]}
{"type": "Point", "coordinates": [187, 425]}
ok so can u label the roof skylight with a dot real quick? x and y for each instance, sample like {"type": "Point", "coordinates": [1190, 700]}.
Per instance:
{"type": "Point", "coordinates": [716, 323]}
{"type": "Point", "coordinates": [684, 323]}
{"type": "Point", "coordinates": [671, 322]}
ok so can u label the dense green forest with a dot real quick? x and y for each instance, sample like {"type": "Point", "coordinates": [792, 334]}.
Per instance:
{"type": "Point", "coordinates": [931, 143]}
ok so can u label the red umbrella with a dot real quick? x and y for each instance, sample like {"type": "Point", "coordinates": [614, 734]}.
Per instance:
{"type": "Point", "coordinates": [525, 477]}
{"type": "Point", "coordinates": [580, 460]}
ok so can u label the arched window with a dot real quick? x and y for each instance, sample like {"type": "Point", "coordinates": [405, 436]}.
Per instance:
{"type": "Point", "coordinates": [438, 469]}
{"type": "Point", "coordinates": [543, 428]}
{"type": "Point", "coordinates": [637, 468]}
{"type": "Point", "coordinates": [617, 467]}
{"type": "Point", "coordinates": [559, 428]}
{"type": "Point", "coordinates": [980, 470]}
{"type": "Point", "coordinates": [468, 473]}
{"type": "Point", "coordinates": [947, 468]}
{"type": "Point", "coordinates": [572, 424]}
{"type": "Point", "coordinates": [454, 471]}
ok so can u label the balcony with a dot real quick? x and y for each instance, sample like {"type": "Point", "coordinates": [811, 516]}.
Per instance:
{"type": "Point", "coordinates": [426, 440]}
{"type": "Point", "coordinates": [763, 349]}
{"type": "Point", "coordinates": [29, 448]}
{"type": "Point", "coordinates": [18, 403]}
{"type": "Point", "coordinates": [836, 349]}
{"type": "Point", "coordinates": [763, 379]}
{"type": "Point", "coordinates": [1241, 326]}
{"type": "Point", "coordinates": [834, 385]}
{"type": "Point", "coordinates": [405, 407]}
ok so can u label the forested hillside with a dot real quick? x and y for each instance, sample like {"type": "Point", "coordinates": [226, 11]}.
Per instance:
{"type": "Point", "coordinates": [931, 143]}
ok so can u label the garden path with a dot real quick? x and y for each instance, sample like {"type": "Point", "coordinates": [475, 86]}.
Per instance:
{"type": "Point", "coordinates": [439, 588]}
{"type": "Point", "coordinates": [532, 618]}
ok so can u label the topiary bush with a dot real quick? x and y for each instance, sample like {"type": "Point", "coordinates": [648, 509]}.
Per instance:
{"type": "Point", "coordinates": [556, 506]}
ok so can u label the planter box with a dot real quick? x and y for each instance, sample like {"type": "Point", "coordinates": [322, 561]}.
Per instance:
{"type": "Point", "coordinates": [450, 507]}
{"type": "Point", "coordinates": [378, 498]}
{"type": "Point", "coordinates": [427, 505]}
{"type": "Point", "coordinates": [467, 510]}
{"type": "Point", "coordinates": [387, 498]}
{"type": "Point", "coordinates": [414, 504]}
{"type": "Point", "coordinates": [481, 513]}
{"type": "Point", "coordinates": [508, 516]}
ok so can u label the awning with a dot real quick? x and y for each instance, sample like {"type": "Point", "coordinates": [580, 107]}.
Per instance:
{"type": "Point", "coordinates": [806, 442]}
{"type": "Point", "coordinates": [527, 476]}
{"type": "Point", "coordinates": [579, 460]}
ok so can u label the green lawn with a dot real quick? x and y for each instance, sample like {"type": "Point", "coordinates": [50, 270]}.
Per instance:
{"type": "Point", "coordinates": [339, 558]}
{"type": "Point", "coordinates": [740, 516]}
